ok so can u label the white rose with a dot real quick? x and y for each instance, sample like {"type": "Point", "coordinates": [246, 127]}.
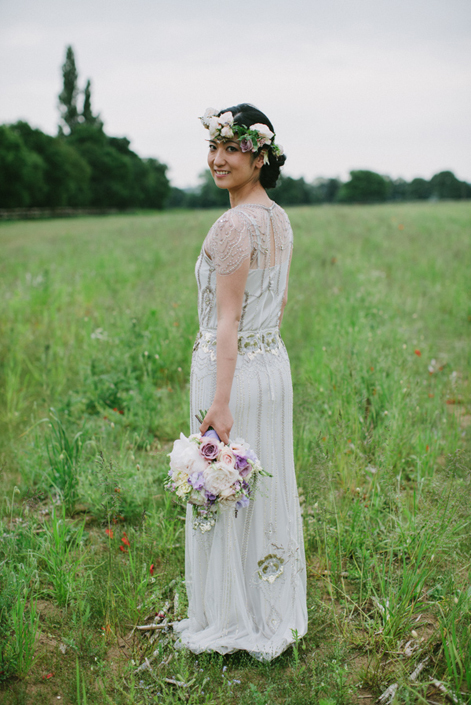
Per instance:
{"type": "Point", "coordinates": [226, 457]}
{"type": "Point", "coordinates": [226, 118]}
{"type": "Point", "coordinates": [208, 113]}
{"type": "Point", "coordinates": [186, 457]}
{"type": "Point", "coordinates": [226, 132]}
{"type": "Point", "coordinates": [264, 131]}
{"type": "Point", "coordinates": [218, 477]}
{"type": "Point", "coordinates": [214, 125]}
{"type": "Point", "coordinates": [227, 498]}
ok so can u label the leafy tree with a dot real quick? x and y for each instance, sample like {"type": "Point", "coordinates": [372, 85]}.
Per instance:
{"type": "Point", "coordinates": [210, 196]}
{"type": "Point", "coordinates": [21, 172]}
{"type": "Point", "coordinates": [446, 185]}
{"type": "Point", "coordinates": [364, 187]}
{"type": "Point", "coordinates": [68, 96]}
{"type": "Point", "coordinates": [111, 182]}
{"type": "Point", "coordinates": [66, 173]}
{"type": "Point", "coordinates": [419, 189]}
{"type": "Point", "coordinates": [289, 191]}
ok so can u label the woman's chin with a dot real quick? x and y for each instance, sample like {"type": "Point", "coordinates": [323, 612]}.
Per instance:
{"type": "Point", "coordinates": [220, 183]}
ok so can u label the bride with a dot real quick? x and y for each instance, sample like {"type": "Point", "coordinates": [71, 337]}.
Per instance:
{"type": "Point", "coordinates": [246, 578]}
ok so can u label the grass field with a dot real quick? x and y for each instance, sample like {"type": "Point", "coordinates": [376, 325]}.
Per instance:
{"type": "Point", "coordinates": [97, 321]}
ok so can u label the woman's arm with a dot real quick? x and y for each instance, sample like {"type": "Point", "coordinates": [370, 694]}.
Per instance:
{"type": "Point", "coordinates": [229, 295]}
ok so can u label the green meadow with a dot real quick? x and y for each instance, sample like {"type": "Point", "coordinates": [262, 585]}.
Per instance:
{"type": "Point", "coordinates": [97, 322]}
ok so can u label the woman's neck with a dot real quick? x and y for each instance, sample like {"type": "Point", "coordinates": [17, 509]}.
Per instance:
{"type": "Point", "coordinates": [249, 193]}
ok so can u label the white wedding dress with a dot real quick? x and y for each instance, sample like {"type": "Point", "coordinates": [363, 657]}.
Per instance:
{"type": "Point", "coordinates": [246, 577]}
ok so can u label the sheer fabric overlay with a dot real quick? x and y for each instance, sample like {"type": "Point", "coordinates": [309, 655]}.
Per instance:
{"type": "Point", "coordinates": [246, 578]}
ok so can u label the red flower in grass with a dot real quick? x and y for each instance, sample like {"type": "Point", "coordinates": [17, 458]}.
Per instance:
{"type": "Point", "coordinates": [125, 539]}
{"type": "Point", "coordinates": [151, 569]}
{"type": "Point", "coordinates": [109, 532]}
{"type": "Point", "coordinates": [418, 353]}
{"type": "Point", "coordinates": [124, 550]}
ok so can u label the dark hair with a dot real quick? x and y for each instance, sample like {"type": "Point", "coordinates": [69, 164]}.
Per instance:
{"type": "Point", "coordinates": [246, 114]}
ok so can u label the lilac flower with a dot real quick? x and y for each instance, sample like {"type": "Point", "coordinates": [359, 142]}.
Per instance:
{"type": "Point", "coordinates": [196, 480]}
{"type": "Point", "coordinates": [241, 461]}
{"type": "Point", "coordinates": [242, 502]}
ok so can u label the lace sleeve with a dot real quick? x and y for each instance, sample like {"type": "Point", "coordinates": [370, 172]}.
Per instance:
{"type": "Point", "coordinates": [229, 242]}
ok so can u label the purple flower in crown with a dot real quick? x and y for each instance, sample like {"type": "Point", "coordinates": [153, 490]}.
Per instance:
{"type": "Point", "coordinates": [246, 144]}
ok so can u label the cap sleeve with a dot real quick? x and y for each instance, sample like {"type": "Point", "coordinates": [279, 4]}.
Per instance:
{"type": "Point", "coordinates": [229, 242]}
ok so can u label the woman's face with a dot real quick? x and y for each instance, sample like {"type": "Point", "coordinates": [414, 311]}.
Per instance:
{"type": "Point", "coordinates": [232, 168]}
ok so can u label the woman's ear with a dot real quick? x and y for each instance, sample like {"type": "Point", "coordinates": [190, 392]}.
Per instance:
{"type": "Point", "coordinates": [259, 160]}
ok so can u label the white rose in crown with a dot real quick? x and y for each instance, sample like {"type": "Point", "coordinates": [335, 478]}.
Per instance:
{"type": "Point", "coordinates": [185, 457]}
{"type": "Point", "coordinates": [226, 118]}
{"type": "Point", "coordinates": [219, 477]}
{"type": "Point", "coordinates": [265, 134]}
{"type": "Point", "coordinates": [227, 132]}
{"type": "Point", "coordinates": [214, 125]}
{"type": "Point", "coordinates": [210, 112]}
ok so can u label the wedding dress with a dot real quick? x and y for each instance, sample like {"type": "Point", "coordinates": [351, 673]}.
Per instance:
{"type": "Point", "coordinates": [246, 577]}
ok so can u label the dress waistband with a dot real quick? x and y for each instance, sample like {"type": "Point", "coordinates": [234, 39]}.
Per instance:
{"type": "Point", "coordinates": [249, 342]}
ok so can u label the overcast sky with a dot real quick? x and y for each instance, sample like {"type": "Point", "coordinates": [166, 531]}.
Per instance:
{"type": "Point", "coordinates": [348, 84]}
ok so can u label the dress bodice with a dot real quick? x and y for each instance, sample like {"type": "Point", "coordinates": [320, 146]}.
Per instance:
{"type": "Point", "coordinates": [262, 233]}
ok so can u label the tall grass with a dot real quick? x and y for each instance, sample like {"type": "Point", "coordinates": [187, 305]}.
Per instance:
{"type": "Point", "coordinates": [97, 322]}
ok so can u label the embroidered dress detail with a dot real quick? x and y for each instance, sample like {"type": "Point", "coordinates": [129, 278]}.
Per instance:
{"type": "Point", "coordinates": [248, 342]}
{"type": "Point", "coordinates": [246, 578]}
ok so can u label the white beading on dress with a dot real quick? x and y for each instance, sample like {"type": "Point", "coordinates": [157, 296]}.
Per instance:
{"type": "Point", "coordinates": [246, 577]}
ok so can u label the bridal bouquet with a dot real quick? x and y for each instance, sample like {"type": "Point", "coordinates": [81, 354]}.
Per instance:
{"type": "Point", "coordinates": [212, 476]}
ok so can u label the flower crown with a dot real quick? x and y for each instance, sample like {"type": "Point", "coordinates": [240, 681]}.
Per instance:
{"type": "Point", "coordinates": [252, 139]}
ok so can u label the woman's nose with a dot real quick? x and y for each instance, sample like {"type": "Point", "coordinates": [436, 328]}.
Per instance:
{"type": "Point", "coordinates": [219, 156]}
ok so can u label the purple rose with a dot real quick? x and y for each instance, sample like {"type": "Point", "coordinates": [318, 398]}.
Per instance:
{"type": "Point", "coordinates": [246, 144]}
{"type": "Point", "coordinates": [245, 471]}
{"type": "Point", "coordinates": [242, 502]}
{"type": "Point", "coordinates": [209, 447]}
{"type": "Point", "coordinates": [241, 461]}
{"type": "Point", "coordinates": [196, 480]}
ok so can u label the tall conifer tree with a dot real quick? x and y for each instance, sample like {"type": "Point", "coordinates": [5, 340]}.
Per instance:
{"type": "Point", "coordinates": [68, 96]}
{"type": "Point", "coordinates": [88, 117]}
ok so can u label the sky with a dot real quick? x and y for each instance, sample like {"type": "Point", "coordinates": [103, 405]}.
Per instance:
{"type": "Point", "coordinates": [348, 84]}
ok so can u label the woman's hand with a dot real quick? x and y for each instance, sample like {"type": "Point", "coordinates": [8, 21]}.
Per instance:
{"type": "Point", "coordinates": [220, 418]}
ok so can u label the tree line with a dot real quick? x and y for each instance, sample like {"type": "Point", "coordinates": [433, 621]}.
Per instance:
{"type": "Point", "coordinates": [363, 187]}
{"type": "Point", "coordinates": [84, 167]}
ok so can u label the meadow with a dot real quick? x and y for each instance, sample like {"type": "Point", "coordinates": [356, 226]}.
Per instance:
{"type": "Point", "coordinates": [97, 322]}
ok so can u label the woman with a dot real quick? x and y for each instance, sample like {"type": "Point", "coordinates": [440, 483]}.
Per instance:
{"type": "Point", "coordinates": [246, 577]}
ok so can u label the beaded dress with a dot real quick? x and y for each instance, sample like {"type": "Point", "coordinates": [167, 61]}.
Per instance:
{"type": "Point", "coordinates": [246, 577]}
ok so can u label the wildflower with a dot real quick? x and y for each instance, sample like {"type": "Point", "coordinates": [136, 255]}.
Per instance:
{"type": "Point", "coordinates": [427, 448]}
{"type": "Point", "coordinates": [125, 539]}
{"type": "Point", "coordinates": [109, 532]}
{"type": "Point", "coordinates": [124, 550]}
{"type": "Point", "coordinates": [151, 569]}
{"type": "Point", "coordinates": [418, 353]}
